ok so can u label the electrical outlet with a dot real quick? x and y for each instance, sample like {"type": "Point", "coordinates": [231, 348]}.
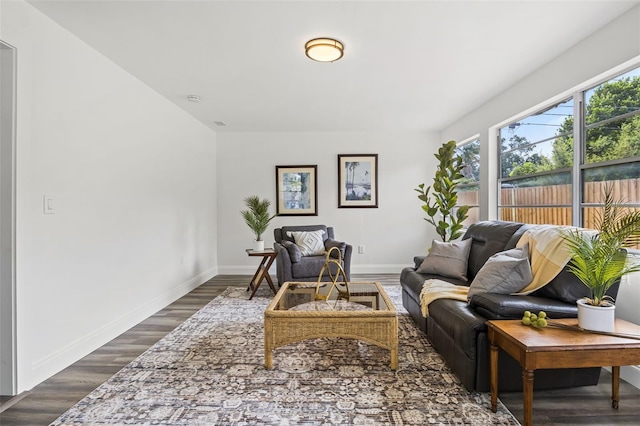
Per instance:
{"type": "Point", "coordinates": [361, 249]}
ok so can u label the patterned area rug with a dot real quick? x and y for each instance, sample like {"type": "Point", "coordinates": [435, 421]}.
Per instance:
{"type": "Point", "coordinates": [209, 371]}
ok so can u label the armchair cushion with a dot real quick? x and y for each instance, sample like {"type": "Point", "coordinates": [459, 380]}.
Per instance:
{"type": "Point", "coordinates": [310, 267]}
{"type": "Point", "coordinates": [310, 243]}
{"type": "Point", "coordinates": [294, 252]}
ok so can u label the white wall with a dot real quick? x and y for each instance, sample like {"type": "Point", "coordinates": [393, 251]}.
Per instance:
{"type": "Point", "coordinates": [614, 47]}
{"type": "Point", "coordinates": [392, 234]}
{"type": "Point", "coordinates": [134, 188]}
{"type": "Point", "coordinates": [627, 304]}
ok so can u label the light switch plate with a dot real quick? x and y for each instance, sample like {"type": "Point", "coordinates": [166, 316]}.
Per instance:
{"type": "Point", "coordinates": [48, 206]}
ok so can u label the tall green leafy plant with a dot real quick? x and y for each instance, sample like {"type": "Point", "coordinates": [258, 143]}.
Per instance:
{"type": "Point", "coordinates": [441, 199]}
{"type": "Point", "coordinates": [598, 259]}
{"type": "Point", "coordinates": [257, 215]}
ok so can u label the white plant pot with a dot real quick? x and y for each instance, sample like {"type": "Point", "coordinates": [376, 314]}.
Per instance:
{"type": "Point", "coordinates": [258, 245]}
{"type": "Point", "coordinates": [596, 318]}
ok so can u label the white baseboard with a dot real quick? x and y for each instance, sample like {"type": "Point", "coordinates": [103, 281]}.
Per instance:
{"type": "Point", "coordinates": [377, 269]}
{"type": "Point", "coordinates": [630, 374]}
{"type": "Point", "coordinates": [58, 360]}
{"type": "Point", "coordinates": [242, 270]}
{"type": "Point", "coordinates": [355, 269]}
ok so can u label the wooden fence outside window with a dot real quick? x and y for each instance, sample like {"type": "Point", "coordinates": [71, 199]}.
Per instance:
{"type": "Point", "coordinates": [521, 204]}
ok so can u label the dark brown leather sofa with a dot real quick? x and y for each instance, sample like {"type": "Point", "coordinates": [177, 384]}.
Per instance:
{"type": "Point", "coordinates": [458, 331]}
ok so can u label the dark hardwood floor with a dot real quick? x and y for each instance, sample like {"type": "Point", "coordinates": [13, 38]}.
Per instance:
{"type": "Point", "coordinates": [48, 400]}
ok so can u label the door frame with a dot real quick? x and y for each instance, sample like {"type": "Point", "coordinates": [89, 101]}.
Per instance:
{"type": "Point", "coordinates": [8, 90]}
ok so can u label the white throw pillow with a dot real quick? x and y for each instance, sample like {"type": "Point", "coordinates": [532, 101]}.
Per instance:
{"type": "Point", "coordinates": [506, 272]}
{"type": "Point", "coordinates": [310, 243]}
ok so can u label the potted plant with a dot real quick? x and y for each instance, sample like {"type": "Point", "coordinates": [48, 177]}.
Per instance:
{"type": "Point", "coordinates": [444, 197]}
{"type": "Point", "coordinates": [599, 259]}
{"type": "Point", "coordinates": [257, 218]}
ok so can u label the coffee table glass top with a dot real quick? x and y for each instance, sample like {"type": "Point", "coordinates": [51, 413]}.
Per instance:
{"type": "Point", "coordinates": [361, 296]}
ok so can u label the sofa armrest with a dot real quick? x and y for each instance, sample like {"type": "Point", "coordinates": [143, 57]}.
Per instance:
{"type": "Point", "coordinates": [283, 263]}
{"type": "Point", "coordinates": [506, 306]}
{"type": "Point", "coordinates": [293, 251]}
{"type": "Point", "coordinates": [417, 260]}
{"type": "Point", "coordinates": [347, 261]}
{"type": "Point", "coordinates": [329, 243]}
{"type": "Point", "coordinates": [346, 250]}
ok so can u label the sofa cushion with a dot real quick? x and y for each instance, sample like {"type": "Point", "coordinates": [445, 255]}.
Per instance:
{"type": "Point", "coordinates": [565, 286]}
{"type": "Point", "coordinates": [310, 243]}
{"type": "Point", "coordinates": [506, 306]}
{"type": "Point", "coordinates": [447, 259]}
{"type": "Point", "coordinates": [412, 282]}
{"type": "Point", "coordinates": [489, 238]}
{"type": "Point", "coordinates": [505, 272]}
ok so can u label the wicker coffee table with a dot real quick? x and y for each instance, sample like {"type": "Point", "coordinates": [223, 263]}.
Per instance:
{"type": "Point", "coordinates": [295, 315]}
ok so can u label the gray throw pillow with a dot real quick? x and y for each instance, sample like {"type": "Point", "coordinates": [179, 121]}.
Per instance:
{"type": "Point", "coordinates": [506, 272]}
{"type": "Point", "coordinates": [447, 259]}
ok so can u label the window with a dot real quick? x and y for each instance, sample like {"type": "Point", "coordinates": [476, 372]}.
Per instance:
{"type": "Point", "coordinates": [537, 156]}
{"type": "Point", "coordinates": [469, 186]}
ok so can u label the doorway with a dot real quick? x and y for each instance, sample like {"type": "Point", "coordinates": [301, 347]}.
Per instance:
{"type": "Point", "coordinates": [8, 385]}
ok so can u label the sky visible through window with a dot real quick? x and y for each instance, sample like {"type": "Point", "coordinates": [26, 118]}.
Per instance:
{"type": "Point", "coordinates": [548, 123]}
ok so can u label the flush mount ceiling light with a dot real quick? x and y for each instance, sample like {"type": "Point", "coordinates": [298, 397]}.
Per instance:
{"type": "Point", "coordinates": [324, 49]}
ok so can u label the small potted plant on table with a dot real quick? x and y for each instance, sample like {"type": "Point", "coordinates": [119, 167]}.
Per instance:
{"type": "Point", "coordinates": [257, 218]}
{"type": "Point", "coordinates": [599, 260]}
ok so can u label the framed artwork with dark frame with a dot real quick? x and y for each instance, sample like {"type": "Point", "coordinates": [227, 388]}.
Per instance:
{"type": "Point", "coordinates": [297, 190]}
{"type": "Point", "coordinates": [357, 180]}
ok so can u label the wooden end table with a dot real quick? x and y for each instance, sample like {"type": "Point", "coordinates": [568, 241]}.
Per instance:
{"type": "Point", "coordinates": [551, 347]}
{"type": "Point", "coordinates": [262, 273]}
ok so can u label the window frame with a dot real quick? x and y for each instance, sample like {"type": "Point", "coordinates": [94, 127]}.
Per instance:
{"type": "Point", "coordinates": [579, 133]}
{"type": "Point", "coordinates": [477, 183]}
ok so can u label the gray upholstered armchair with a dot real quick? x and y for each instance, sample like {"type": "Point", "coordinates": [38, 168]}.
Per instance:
{"type": "Point", "coordinates": [299, 262]}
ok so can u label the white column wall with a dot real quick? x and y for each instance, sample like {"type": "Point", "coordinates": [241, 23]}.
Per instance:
{"type": "Point", "coordinates": [133, 181]}
{"type": "Point", "coordinates": [392, 234]}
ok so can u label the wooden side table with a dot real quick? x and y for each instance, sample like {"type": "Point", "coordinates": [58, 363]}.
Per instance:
{"type": "Point", "coordinates": [262, 273]}
{"type": "Point", "coordinates": [559, 348]}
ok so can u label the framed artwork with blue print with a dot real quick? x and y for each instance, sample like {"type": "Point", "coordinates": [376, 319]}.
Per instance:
{"type": "Point", "coordinates": [297, 190]}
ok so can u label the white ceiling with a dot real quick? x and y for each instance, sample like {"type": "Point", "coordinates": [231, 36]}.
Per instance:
{"type": "Point", "coordinates": [408, 65]}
